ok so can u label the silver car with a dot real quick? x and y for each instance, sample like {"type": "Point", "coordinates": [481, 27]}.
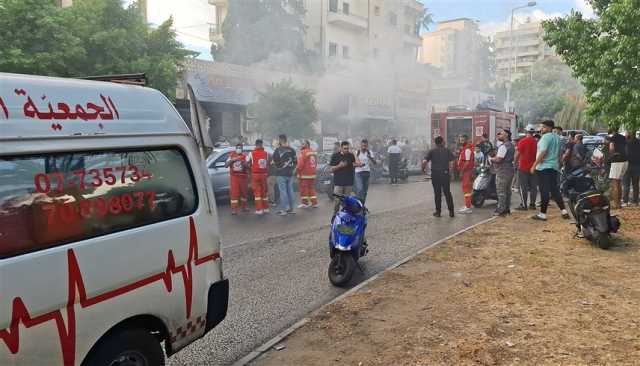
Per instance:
{"type": "Point", "coordinates": [218, 173]}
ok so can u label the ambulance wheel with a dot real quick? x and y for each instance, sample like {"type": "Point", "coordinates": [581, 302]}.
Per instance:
{"type": "Point", "coordinates": [130, 347]}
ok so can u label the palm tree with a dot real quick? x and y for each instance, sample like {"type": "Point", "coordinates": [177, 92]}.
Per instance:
{"type": "Point", "coordinates": [424, 20]}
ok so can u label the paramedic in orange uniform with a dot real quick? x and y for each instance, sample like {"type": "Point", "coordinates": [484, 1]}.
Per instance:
{"type": "Point", "coordinates": [237, 164]}
{"type": "Point", "coordinates": [259, 160]}
{"type": "Point", "coordinates": [466, 166]}
{"type": "Point", "coordinates": [306, 171]}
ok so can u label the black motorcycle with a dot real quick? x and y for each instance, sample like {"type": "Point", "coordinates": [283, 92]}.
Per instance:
{"type": "Point", "coordinates": [590, 208]}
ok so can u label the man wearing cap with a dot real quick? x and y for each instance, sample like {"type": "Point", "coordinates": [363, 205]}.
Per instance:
{"type": "Point", "coordinates": [525, 157]}
{"type": "Point", "coordinates": [259, 161]}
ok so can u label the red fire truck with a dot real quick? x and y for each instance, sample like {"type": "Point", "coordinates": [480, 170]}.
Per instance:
{"type": "Point", "coordinates": [474, 124]}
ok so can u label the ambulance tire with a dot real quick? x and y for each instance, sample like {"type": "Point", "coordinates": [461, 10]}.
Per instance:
{"type": "Point", "coordinates": [127, 347]}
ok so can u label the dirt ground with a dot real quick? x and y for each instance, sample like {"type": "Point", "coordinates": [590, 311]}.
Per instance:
{"type": "Point", "coordinates": [511, 292]}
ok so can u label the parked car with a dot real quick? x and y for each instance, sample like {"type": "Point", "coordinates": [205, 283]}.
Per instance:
{"type": "Point", "coordinates": [219, 174]}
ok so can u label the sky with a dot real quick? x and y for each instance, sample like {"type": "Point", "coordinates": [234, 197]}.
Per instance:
{"type": "Point", "coordinates": [192, 17]}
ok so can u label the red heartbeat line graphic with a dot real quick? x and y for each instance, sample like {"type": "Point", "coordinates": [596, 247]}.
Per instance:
{"type": "Point", "coordinates": [67, 332]}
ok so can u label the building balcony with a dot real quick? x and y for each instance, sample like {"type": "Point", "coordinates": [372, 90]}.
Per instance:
{"type": "Point", "coordinates": [222, 3]}
{"type": "Point", "coordinates": [349, 21]}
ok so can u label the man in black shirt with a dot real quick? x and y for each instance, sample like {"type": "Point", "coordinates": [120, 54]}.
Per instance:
{"type": "Point", "coordinates": [284, 160]}
{"type": "Point", "coordinates": [440, 158]}
{"type": "Point", "coordinates": [619, 164]}
{"type": "Point", "coordinates": [343, 165]}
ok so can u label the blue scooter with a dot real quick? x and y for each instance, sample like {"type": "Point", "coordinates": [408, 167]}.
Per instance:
{"type": "Point", "coordinates": [347, 242]}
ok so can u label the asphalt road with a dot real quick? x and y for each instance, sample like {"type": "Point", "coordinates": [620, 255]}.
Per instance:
{"type": "Point", "coordinates": [277, 266]}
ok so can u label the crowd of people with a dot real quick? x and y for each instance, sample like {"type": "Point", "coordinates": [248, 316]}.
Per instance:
{"type": "Point", "coordinates": [532, 165]}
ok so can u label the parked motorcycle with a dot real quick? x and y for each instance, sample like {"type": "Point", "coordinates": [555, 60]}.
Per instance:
{"type": "Point", "coordinates": [590, 208]}
{"type": "Point", "coordinates": [484, 187]}
{"type": "Point", "coordinates": [347, 241]}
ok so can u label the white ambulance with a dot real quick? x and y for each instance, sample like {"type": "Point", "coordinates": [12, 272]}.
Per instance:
{"type": "Point", "coordinates": [109, 242]}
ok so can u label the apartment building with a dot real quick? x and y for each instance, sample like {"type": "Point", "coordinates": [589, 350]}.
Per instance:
{"type": "Point", "coordinates": [456, 48]}
{"type": "Point", "coordinates": [520, 51]}
{"type": "Point", "coordinates": [369, 51]}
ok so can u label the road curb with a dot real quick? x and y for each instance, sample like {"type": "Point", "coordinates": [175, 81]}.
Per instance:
{"type": "Point", "coordinates": [285, 333]}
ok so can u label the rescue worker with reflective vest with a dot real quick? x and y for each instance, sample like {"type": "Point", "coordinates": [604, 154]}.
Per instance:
{"type": "Point", "coordinates": [466, 167]}
{"type": "Point", "coordinates": [259, 161]}
{"type": "Point", "coordinates": [237, 164]}
{"type": "Point", "coordinates": [306, 172]}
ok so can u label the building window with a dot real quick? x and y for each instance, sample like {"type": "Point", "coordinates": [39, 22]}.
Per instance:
{"type": "Point", "coordinates": [333, 6]}
{"type": "Point", "coordinates": [393, 19]}
{"type": "Point", "coordinates": [376, 10]}
{"type": "Point", "coordinates": [333, 49]}
{"type": "Point", "coordinates": [345, 51]}
{"type": "Point", "coordinates": [345, 8]}
{"type": "Point", "coordinates": [375, 53]}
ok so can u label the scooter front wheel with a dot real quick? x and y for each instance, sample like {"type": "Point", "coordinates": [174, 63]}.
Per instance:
{"type": "Point", "coordinates": [477, 199]}
{"type": "Point", "coordinates": [341, 269]}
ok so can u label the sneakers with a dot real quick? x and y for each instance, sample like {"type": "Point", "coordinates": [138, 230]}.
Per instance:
{"type": "Point", "coordinates": [259, 212]}
{"type": "Point", "coordinates": [565, 215]}
{"type": "Point", "coordinates": [624, 204]}
{"type": "Point", "coordinates": [436, 214]}
{"type": "Point", "coordinates": [451, 214]}
{"type": "Point", "coordinates": [521, 208]}
{"type": "Point", "coordinates": [282, 213]}
{"type": "Point", "coordinates": [465, 210]}
{"type": "Point", "coordinates": [304, 205]}
{"type": "Point", "coordinates": [539, 217]}
{"type": "Point", "coordinates": [315, 206]}
{"type": "Point", "coordinates": [532, 206]}
{"type": "Point", "coordinates": [291, 212]}
{"type": "Point", "coordinates": [266, 210]}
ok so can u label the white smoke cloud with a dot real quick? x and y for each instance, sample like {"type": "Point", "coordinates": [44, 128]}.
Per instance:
{"type": "Point", "coordinates": [585, 8]}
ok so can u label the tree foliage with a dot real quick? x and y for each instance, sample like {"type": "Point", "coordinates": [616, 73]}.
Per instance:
{"type": "Point", "coordinates": [254, 31]}
{"type": "Point", "coordinates": [604, 53]}
{"type": "Point", "coordinates": [284, 108]}
{"type": "Point", "coordinates": [424, 20]}
{"type": "Point", "coordinates": [92, 37]}
{"type": "Point", "coordinates": [544, 93]}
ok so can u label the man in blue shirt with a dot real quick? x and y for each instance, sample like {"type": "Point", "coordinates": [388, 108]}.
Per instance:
{"type": "Point", "coordinates": [546, 168]}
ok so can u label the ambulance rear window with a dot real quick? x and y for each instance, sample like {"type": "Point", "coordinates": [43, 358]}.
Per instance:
{"type": "Point", "coordinates": [52, 199]}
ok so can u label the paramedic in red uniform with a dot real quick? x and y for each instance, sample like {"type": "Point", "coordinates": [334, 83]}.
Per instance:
{"type": "Point", "coordinates": [259, 160]}
{"type": "Point", "coordinates": [306, 171]}
{"type": "Point", "coordinates": [237, 164]}
{"type": "Point", "coordinates": [466, 167]}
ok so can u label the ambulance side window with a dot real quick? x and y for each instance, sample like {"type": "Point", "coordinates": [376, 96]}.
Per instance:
{"type": "Point", "coordinates": [53, 199]}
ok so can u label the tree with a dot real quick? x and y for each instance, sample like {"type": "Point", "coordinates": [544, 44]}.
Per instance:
{"type": "Point", "coordinates": [604, 54]}
{"type": "Point", "coordinates": [93, 37]}
{"type": "Point", "coordinates": [253, 31]}
{"type": "Point", "coordinates": [424, 20]}
{"type": "Point", "coordinates": [283, 108]}
{"type": "Point", "coordinates": [544, 93]}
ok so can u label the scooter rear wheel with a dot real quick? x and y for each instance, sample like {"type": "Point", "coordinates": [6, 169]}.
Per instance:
{"type": "Point", "coordinates": [341, 269]}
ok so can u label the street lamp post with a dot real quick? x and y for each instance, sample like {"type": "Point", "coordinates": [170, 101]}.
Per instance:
{"type": "Point", "coordinates": [513, 53]}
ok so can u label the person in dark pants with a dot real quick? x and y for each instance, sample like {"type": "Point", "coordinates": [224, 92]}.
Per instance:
{"type": "Point", "coordinates": [440, 157]}
{"type": "Point", "coordinates": [394, 157]}
{"type": "Point", "coordinates": [546, 168]}
{"type": "Point", "coordinates": [632, 178]}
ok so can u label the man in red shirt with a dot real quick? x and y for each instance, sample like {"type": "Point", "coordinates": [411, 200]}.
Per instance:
{"type": "Point", "coordinates": [525, 157]}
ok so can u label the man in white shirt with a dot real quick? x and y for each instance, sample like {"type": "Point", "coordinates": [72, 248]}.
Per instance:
{"type": "Point", "coordinates": [394, 153]}
{"type": "Point", "coordinates": [363, 172]}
